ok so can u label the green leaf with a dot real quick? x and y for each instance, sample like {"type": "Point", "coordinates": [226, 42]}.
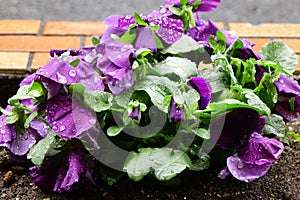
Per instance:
{"type": "Point", "coordinates": [11, 119]}
{"type": "Point", "coordinates": [256, 103]}
{"type": "Point", "coordinates": [274, 125]}
{"type": "Point", "coordinates": [184, 45]}
{"type": "Point", "coordinates": [32, 91]}
{"type": "Point", "coordinates": [139, 20]}
{"type": "Point", "coordinates": [166, 163]}
{"type": "Point", "coordinates": [181, 67]}
{"type": "Point", "coordinates": [231, 104]}
{"type": "Point", "coordinates": [184, 2]}
{"type": "Point", "coordinates": [202, 133]}
{"type": "Point", "coordinates": [129, 36]}
{"type": "Point", "coordinates": [191, 98]}
{"type": "Point", "coordinates": [95, 41]}
{"type": "Point", "coordinates": [175, 10]}
{"type": "Point", "coordinates": [158, 88]}
{"type": "Point", "coordinates": [278, 51]}
{"type": "Point", "coordinates": [75, 63]}
{"type": "Point", "coordinates": [38, 152]}
{"type": "Point", "coordinates": [158, 42]}
{"type": "Point", "coordinates": [114, 130]}
{"type": "Point", "coordinates": [97, 100]}
{"type": "Point", "coordinates": [29, 119]}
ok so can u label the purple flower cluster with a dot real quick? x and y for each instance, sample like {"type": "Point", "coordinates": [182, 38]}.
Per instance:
{"type": "Point", "coordinates": [71, 89]}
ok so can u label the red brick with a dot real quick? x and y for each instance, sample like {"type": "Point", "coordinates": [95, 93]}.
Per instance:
{"type": "Point", "coordinates": [19, 26]}
{"type": "Point", "coordinates": [259, 43]}
{"type": "Point", "coordinates": [74, 28]}
{"type": "Point", "coordinates": [266, 30]}
{"type": "Point", "coordinates": [13, 62]}
{"type": "Point", "coordinates": [39, 60]}
{"type": "Point", "coordinates": [37, 44]}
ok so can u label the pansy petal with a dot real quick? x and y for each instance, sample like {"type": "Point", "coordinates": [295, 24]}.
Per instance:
{"type": "Point", "coordinates": [287, 86]}
{"type": "Point", "coordinates": [261, 150]}
{"type": "Point", "coordinates": [7, 132]}
{"type": "Point", "coordinates": [145, 39]}
{"type": "Point", "coordinates": [245, 172]}
{"type": "Point", "coordinates": [170, 30]}
{"type": "Point", "coordinates": [176, 113]}
{"type": "Point", "coordinates": [233, 130]}
{"type": "Point", "coordinates": [67, 117]}
{"type": "Point", "coordinates": [119, 53]}
{"type": "Point", "coordinates": [204, 90]}
{"type": "Point", "coordinates": [59, 173]}
{"type": "Point", "coordinates": [208, 5]}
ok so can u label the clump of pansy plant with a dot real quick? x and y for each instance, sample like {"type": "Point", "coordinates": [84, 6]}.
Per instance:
{"type": "Point", "coordinates": [146, 98]}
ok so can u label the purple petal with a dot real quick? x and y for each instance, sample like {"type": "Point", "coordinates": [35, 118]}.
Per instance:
{"type": "Point", "coordinates": [288, 113]}
{"type": "Point", "coordinates": [119, 80]}
{"type": "Point", "coordinates": [170, 30]}
{"type": "Point", "coordinates": [119, 53]}
{"type": "Point", "coordinates": [176, 113]}
{"type": "Point", "coordinates": [204, 90]}
{"type": "Point", "coordinates": [53, 88]}
{"type": "Point", "coordinates": [207, 5]}
{"type": "Point", "coordinates": [67, 117]}
{"type": "Point", "coordinates": [245, 172]}
{"type": "Point", "coordinates": [135, 114]}
{"type": "Point", "coordinates": [63, 171]}
{"type": "Point", "coordinates": [7, 132]}
{"type": "Point", "coordinates": [261, 150]}
{"type": "Point", "coordinates": [58, 71]}
{"type": "Point", "coordinates": [202, 33]}
{"type": "Point", "coordinates": [145, 39]}
{"type": "Point", "coordinates": [238, 125]}
{"type": "Point", "coordinates": [287, 86]}
{"type": "Point", "coordinates": [28, 80]}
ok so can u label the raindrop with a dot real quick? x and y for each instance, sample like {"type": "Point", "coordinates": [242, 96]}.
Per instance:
{"type": "Point", "coordinates": [119, 56]}
{"type": "Point", "coordinates": [240, 164]}
{"type": "Point", "coordinates": [283, 86]}
{"type": "Point", "coordinates": [92, 121]}
{"type": "Point", "coordinates": [281, 81]}
{"type": "Point", "coordinates": [62, 79]}
{"type": "Point", "coordinates": [123, 49]}
{"type": "Point", "coordinates": [54, 128]}
{"type": "Point", "coordinates": [72, 73]}
{"type": "Point", "coordinates": [163, 10]}
{"type": "Point", "coordinates": [2, 131]}
{"type": "Point", "coordinates": [62, 128]}
{"type": "Point", "coordinates": [18, 146]}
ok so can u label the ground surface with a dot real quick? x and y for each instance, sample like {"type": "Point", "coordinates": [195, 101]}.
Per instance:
{"type": "Point", "coordinates": [252, 11]}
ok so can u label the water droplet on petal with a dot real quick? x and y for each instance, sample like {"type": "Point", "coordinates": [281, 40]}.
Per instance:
{"type": "Point", "coordinates": [62, 128]}
{"type": "Point", "coordinates": [72, 73]}
{"type": "Point", "coordinates": [92, 121]}
{"type": "Point", "coordinates": [240, 164]}
{"type": "Point", "coordinates": [62, 79]}
{"type": "Point", "coordinates": [2, 131]}
{"type": "Point", "coordinates": [55, 128]}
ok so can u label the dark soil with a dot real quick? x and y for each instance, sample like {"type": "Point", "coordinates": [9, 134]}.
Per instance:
{"type": "Point", "coordinates": [281, 182]}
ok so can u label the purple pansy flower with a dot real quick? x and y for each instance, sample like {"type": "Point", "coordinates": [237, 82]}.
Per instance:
{"type": "Point", "coordinates": [204, 90]}
{"type": "Point", "coordinates": [288, 91]}
{"type": "Point", "coordinates": [203, 31]}
{"type": "Point", "coordinates": [19, 144]}
{"type": "Point", "coordinates": [61, 72]}
{"type": "Point", "coordinates": [254, 160]}
{"type": "Point", "coordinates": [135, 114]}
{"type": "Point", "coordinates": [176, 112]}
{"type": "Point", "coordinates": [238, 125]}
{"type": "Point", "coordinates": [63, 171]}
{"type": "Point", "coordinates": [67, 117]}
